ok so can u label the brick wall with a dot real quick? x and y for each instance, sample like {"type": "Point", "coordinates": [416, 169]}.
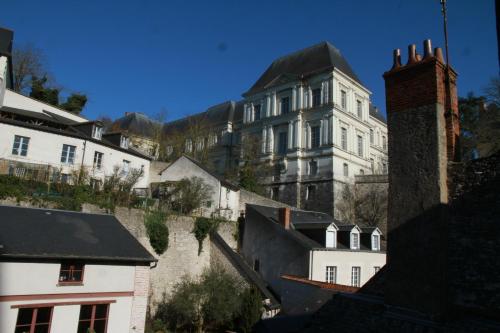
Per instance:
{"type": "Point", "coordinates": [140, 301]}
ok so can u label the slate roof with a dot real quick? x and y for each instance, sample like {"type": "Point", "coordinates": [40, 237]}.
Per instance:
{"type": "Point", "coordinates": [312, 60]}
{"type": "Point", "coordinates": [136, 123]}
{"type": "Point", "coordinates": [32, 233]}
{"type": "Point", "coordinates": [45, 116]}
{"type": "Point", "coordinates": [375, 113]}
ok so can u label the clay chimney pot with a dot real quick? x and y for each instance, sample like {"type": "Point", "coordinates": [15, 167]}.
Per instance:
{"type": "Point", "coordinates": [412, 50]}
{"type": "Point", "coordinates": [427, 49]}
{"type": "Point", "coordinates": [396, 59]}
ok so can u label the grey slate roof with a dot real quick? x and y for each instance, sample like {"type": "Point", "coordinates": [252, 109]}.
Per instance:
{"type": "Point", "coordinates": [136, 123]}
{"type": "Point", "coordinates": [32, 233]}
{"type": "Point", "coordinates": [312, 60]}
{"type": "Point", "coordinates": [375, 113]}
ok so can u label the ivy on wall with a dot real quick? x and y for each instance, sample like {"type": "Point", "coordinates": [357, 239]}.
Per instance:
{"type": "Point", "coordinates": [204, 226]}
{"type": "Point", "coordinates": [157, 230]}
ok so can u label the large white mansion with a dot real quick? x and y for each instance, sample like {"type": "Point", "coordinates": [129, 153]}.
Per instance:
{"type": "Point", "coordinates": [312, 118]}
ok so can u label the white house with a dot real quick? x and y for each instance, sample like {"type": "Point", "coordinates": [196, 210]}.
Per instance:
{"type": "Point", "coordinates": [311, 245]}
{"type": "Point", "coordinates": [35, 137]}
{"type": "Point", "coordinates": [225, 197]}
{"type": "Point", "coordinates": [66, 271]}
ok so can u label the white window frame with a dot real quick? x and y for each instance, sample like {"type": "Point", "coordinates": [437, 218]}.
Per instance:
{"type": "Point", "coordinates": [359, 109]}
{"type": "Point", "coordinates": [331, 238]}
{"type": "Point", "coordinates": [126, 167]}
{"type": "Point", "coordinates": [375, 242]}
{"type": "Point", "coordinates": [384, 142]}
{"type": "Point", "coordinates": [97, 132]}
{"type": "Point", "coordinates": [124, 142]}
{"type": "Point", "coordinates": [346, 170]}
{"type": "Point", "coordinates": [331, 274]}
{"type": "Point", "coordinates": [356, 276]}
{"type": "Point", "coordinates": [360, 145]}
{"type": "Point", "coordinates": [311, 163]}
{"type": "Point", "coordinates": [372, 137]}
{"type": "Point", "coordinates": [98, 157]}
{"type": "Point", "coordinates": [68, 154]}
{"type": "Point", "coordinates": [354, 240]}
{"type": "Point", "coordinates": [343, 138]}
{"type": "Point", "coordinates": [20, 145]}
{"type": "Point", "coordinates": [343, 99]}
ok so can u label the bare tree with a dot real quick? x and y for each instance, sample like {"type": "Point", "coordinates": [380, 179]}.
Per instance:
{"type": "Point", "coordinates": [366, 206]}
{"type": "Point", "coordinates": [28, 61]}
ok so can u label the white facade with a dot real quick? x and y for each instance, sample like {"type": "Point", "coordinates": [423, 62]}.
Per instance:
{"type": "Point", "coordinates": [225, 199]}
{"type": "Point", "coordinates": [36, 285]}
{"type": "Point", "coordinates": [343, 261]}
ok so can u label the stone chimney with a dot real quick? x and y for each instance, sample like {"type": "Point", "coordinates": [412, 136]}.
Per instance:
{"type": "Point", "coordinates": [422, 119]}
{"type": "Point", "coordinates": [284, 217]}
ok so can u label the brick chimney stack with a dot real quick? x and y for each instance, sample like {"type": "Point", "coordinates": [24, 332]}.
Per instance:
{"type": "Point", "coordinates": [422, 119]}
{"type": "Point", "coordinates": [284, 217]}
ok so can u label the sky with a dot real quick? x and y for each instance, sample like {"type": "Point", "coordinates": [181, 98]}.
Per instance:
{"type": "Point", "coordinates": [182, 57]}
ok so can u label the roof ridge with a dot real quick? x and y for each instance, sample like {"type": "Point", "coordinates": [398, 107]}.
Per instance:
{"type": "Point", "coordinates": [325, 42]}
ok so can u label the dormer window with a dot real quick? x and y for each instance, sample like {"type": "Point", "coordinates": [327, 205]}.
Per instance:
{"type": "Point", "coordinates": [124, 141]}
{"type": "Point", "coordinates": [71, 272]}
{"type": "Point", "coordinates": [97, 132]}
{"type": "Point", "coordinates": [331, 238]}
{"type": "Point", "coordinates": [375, 242]}
{"type": "Point", "coordinates": [354, 240]}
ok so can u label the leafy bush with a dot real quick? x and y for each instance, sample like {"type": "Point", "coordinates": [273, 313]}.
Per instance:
{"type": "Point", "coordinates": [157, 231]}
{"type": "Point", "coordinates": [189, 194]}
{"type": "Point", "coordinates": [214, 303]}
{"type": "Point", "coordinates": [204, 226]}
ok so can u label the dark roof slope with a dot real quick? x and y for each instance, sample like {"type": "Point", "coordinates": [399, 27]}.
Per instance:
{"type": "Point", "coordinates": [6, 38]}
{"type": "Point", "coordinates": [55, 234]}
{"type": "Point", "coordinates": [136, 123]}
{"type": "Point", "coordinates": [375, 113]}
{"type": "Point", "coordinates": [312, 60]}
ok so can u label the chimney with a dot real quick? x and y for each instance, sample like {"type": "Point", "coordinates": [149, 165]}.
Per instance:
{"type": "Point", "coordinates": [284, 217]}
{"type": "Point", "coordinates": [421, 105]}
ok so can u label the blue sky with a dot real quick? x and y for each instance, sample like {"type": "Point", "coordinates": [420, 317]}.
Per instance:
{"type": "Point", "coordinates": [183, 56]}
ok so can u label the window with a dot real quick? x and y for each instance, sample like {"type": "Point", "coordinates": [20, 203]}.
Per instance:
{"type": "Point", "coordinates": [208, 204]}
{"type": "Point", "coordinates": [331, 274]}
{"type": "Point", "coordinates": [371, 136]}
{"type": "Point", "coordinates": [355, 276]}
{"type": "Point", "coordinates": [343, 138]}
{"type": "Point", "coordinates": [34, 320]}
{"type": "Point", "coordinates": [20, 146]}
{"type": "Point", "coordinates": [124, 141]}
{"type": "Point", "coordinates": [354, 241]}
{"type": "Point", "coordinates": [126, 167]}
{"type": "Point", "coordinates": [311, 192]}
{"type": "Point", "coordinates": [93, 317]}
{"type": "Point", "coordinates": [361, 172]}
{"type": "Point", "coordinates": [256, 265]}
{"type": "Point", "coordinates": [331, 239]}
{"type": "Point", "coordinates": [372, 163]}
{"type": "Point", "coordinates": [275, 193]}
{"type": "Point", "coordinates": [188, 145]}
{"type": "Point", "coordinates": [282, 142]}
{"type": "Point", "coordinates": [384, 142]}
{"type": "Point", "coordinates": [97, 132]}
{"type": "Point", "coordinates": [98, 160]}
{"type": "Point", "coordinates": [376, 242]}
{"type": "Point", "coordinates": [65, 178]}
{"type": "Point", "coordinates": [360, 146]}
{"type": "Point", "coordinates": [68, 154]}
{"type": "Point", "coordinates": [315, 136]}
{"type": "Point", "coordinates": [346, 170]}
{"type": "Point", "coordinates": [256, 110]}
{"type": "Point", "coordinates": [285, 105]}
{"type": "Point", "coordinates": [71, 273]}
{"type": "Point", "coordinates": [343, 99]}
{"type": "Point", "coordinates": [316, 97]}
{"type": "Point", "coordinates": [313, 168]}
{"type": "Point", "coordinates": [359, 109]}
{"type": "Point", "coordinates": [376, 269]}
{"type": "Point", "coordinates": [384, 168]}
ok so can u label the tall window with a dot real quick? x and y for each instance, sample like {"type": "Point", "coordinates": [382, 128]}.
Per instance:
{"type": "Point", "coordinates": [343, 138]}
{"type": "Point", "coordinates": [98, 160]}
{"type": "Point", "coordinates": [384, 142]}
{"type": "Point", "coordinates": [313, 168]}
{"type": "Point", "coordinates": [346, 170]}
{"type": "Point", "coordinates": [282, 142]}
{"type": "Point", "coordinates": [126, 167]}
{"type": "Point", "coordinates": [343, 99]}
{"type": "Point", "coordinates": [356, 276]}
{"type": "Point", "coordinates": [331, 239]}
{"type": "Point", "coordinates": [20, 146]}
{"type": "Point", "coordinates": [275, 193]}
{"type": "Point", "coordinates": [331, 274]}
{"type": "Point", "coordinates": [71, 273]}
{"type": "Point", "coordinates": [315, 136]}
{"type": "Point", "coordinates": [359, 109]}
{"type": "Point", "coordinates": [384, 168]}
{"type": "Point", "coordinates": [124, 141]}
{"type": "Point", "coordinates": [68, 154]}
{"type": "Point", "coordinates": [376, 242]}
{"type": "Point", "coordinates": [311, 192]}
{"type": "Point", "coordinates": [93, 318]}
{"type": "Point", "coordinates": [256, 112]}
{"type": "Point", "coordinates": [34, 320]}
{"type": "Point", "coordinates": [371, 136]}
{"type": "Point", "coordinates": [285, 105]}
{"type": "Point", "coordinates": [372, 164]}
{"type": "Point", "coordinates": [354, 241]}
{"type": "Point", "coordinates": [97, 132]}
{"type": "Point", "coordinates": [360, 146]}
{"type": "Point", "coordinates": [316, 97]}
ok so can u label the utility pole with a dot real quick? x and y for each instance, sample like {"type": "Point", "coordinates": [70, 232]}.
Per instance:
{"type": "Point", "coordinates": [445, 23]}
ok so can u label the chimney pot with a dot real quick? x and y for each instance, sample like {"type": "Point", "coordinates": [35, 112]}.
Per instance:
{"type": "Point", "coordinates": [412, 49]}
{"type": "Point", "coordinates": [418, 57]}
{"type": "Point", "coordinates": [438, 53]}
{"type": "Point", "coordinates": [427, 49]}
{"type": "Point", "coordinates": [284, 217]}
{"type": "Point", "coordinates": [396, 59]}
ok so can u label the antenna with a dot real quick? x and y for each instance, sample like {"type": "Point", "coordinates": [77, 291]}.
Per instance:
{"type": "Point", "coordinates": [445, 23]}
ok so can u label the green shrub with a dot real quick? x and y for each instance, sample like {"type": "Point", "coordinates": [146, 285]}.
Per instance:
{"type": "Point", "coordinates": [204, 226]}
{"type": "Point", "coordinates": [157, 231]}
